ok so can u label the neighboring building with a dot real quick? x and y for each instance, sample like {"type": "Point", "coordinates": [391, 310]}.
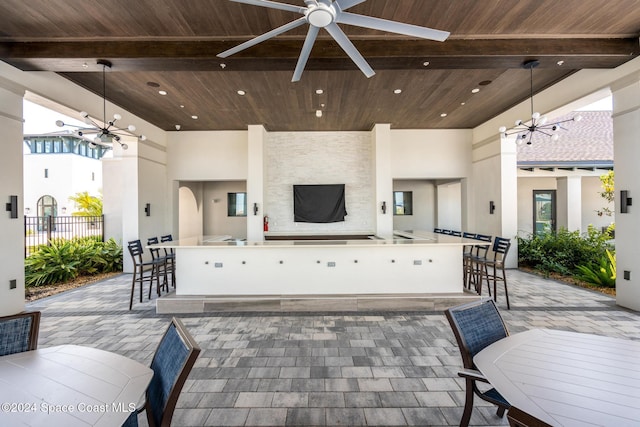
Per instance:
{"type": "Point", "coordinates": [559, 181]}
{"type": "Point", "coordinates": [57, 167]}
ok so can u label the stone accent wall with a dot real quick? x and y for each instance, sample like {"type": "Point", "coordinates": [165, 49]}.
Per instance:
{"type": "Point", "coordinates": [319, 158]}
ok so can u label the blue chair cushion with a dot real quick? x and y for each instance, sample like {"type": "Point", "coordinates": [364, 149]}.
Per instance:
{"type": "Point", "coordinates": [14, 335]}
{"type": "Point", "coordinates": [480, 327]}
{"type": "Point", "coordinates": [167, 364]}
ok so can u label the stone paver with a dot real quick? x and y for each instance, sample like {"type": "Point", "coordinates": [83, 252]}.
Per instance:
{"type": "Point", "coordinates": [320, 369]}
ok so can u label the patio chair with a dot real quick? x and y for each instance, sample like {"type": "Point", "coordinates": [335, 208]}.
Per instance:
{"type": "Point", "coordinates": [143, 271]}
{"type": "Point", "coordinates": [519, 418]}
{"type": "Point", "coordinates": [175, 356]}
{"type": "Point", "coordinates": [476, 325]}
{"type": "Point", "coordinates": [19, 332]}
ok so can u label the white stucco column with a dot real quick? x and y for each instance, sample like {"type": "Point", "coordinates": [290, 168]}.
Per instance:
{"type": "Point", "coordinates": [11, 182]}
{"type": "Point", "coordinates": [495, 182]}
{"type": "Point", "coordinates": [255, 182]}
{"type": "Point", "coordinates": [569, 203]}
{"type": "Point", "coordinates": [381, 140]}
{"type": "Point", "coordinates": [626, 138]}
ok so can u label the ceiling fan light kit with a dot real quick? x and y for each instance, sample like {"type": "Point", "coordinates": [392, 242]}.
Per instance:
{"type": "Point", "coordinates": [537, 123]}
{"type": "Point", "coordinates": [328, 14]}
{"type": "Point", "coordinates": [108, 131]}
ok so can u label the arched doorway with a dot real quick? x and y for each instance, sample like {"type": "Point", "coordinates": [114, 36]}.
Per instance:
{"type": "Point", "coordinates": [47, 206]}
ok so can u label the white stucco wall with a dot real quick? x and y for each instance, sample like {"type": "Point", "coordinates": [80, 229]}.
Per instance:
{"type": "Point", "coordinates": [430, 154]}
{"type": "Point", "coordinates": [68, 174]}
{"type": "Point", "coordinates": [591, 200]}
{"type": "Point", "coordinates": [216, 220]}
{"type": "Point", "coordinates": [11, 229]}
{"type": "Point", "coordinates": [424, 205]}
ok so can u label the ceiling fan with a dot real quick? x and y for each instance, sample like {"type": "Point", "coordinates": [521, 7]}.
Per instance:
{"type": "Point", "coordinates": [327, 14]}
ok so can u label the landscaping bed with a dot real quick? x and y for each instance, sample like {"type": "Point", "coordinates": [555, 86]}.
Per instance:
{"type": "Point", "coordinates": [33, 293]}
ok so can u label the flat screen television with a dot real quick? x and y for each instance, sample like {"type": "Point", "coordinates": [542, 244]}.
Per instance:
{"type": "Point", "coordinates": [319, 203]}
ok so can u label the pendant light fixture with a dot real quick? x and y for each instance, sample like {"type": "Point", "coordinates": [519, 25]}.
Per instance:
{"type": "Point", "coordinates": [538, 123]}
{"type": "Point", "coordinates": [107, 132]}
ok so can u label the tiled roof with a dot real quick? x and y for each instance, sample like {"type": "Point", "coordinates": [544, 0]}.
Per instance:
{"type": "Point", "coordinates": [590, 139]}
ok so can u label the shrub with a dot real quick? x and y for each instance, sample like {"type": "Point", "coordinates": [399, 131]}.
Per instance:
{"type": "Point", "coordinates": [65, 260]}
{"type": "Point", "coordinates": [603, 274]}
{"type": "Point", "coordinates": [562, 252]}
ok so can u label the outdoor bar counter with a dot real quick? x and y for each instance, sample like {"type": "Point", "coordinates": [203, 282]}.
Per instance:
{"type": "Point", "coordinates": [216, 272]}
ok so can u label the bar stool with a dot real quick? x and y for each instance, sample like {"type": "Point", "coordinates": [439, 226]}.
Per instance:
{"type": "Point", "coordinates": [165, 268]}
{"type": "Point", "coordinates": [475, 262]}
{"type": "Point", "coordinates": [171, 257]}
{"type": "Point", "coordinates": [143, 271]}
{"type": "Point", "coordinates": [493, 268]}
{"type": "Point", "coordinates": [467, 252]}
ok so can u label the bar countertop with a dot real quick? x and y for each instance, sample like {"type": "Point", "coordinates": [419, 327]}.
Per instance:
{"type": "Point", "coordinates": [400, 238]}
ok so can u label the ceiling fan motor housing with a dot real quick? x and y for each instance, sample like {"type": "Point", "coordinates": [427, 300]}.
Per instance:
{"type": "Point", "coordinates": [320, 15]}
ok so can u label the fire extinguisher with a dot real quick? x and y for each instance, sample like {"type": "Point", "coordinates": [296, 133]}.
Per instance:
{"type": "Point", "coordinates": [265, 223]}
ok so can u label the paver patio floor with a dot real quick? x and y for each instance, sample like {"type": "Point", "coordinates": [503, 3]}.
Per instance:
{"type": "Point", "coordinates": [377, 369]}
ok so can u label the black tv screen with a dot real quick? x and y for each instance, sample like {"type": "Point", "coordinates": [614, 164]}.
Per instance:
{"type": "Point", "coordinates": [319, 203]}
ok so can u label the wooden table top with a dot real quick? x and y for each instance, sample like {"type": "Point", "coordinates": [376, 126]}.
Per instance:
{"type": "Point", "coordinates": [70, 385]}
{"type": "Point", "coordinates": [567, 378]}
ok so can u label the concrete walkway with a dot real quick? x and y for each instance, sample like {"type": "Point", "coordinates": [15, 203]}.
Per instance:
{"type": "Point", "coordinates": [391, 369]}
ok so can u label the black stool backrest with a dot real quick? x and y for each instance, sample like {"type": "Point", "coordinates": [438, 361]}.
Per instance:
{"type": "Point", "coordinates": [167, 238]}
{"type": "Point", "coordinates": [155, 252]}
{"type": "Point", "coordinates": [501, 247]}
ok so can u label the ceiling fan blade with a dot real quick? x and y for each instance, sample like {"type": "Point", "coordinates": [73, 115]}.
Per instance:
{"type": "Point", "coordinates": [346, 4]}
{"type": "Point", "coordinates": [349, 49]}
{"type": "Point", "coordinates": [273, 5]}
{"type": "Point", "coordinates": [276, 31]}
{"type": "Point", "coordinates": [391, 26]}
{"type": "Point", "coordinates": [304, 54]}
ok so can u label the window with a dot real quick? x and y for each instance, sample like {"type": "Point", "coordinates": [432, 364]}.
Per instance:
{"type": "Point", "coordinates": [236, 204]}
{"type": "Point", "coordinates": [544, 211]}
{"type": "Point", "coordinates": [403, 203]}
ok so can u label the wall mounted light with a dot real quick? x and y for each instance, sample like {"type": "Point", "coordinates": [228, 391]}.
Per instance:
{"type": "Point", "coordinates": [12, 206]}
{"type": "Point", "coordinates": [492, 207]}
{"type": "Point", "coordinates": [384, 207]}
{"type": "Point", "coordinates": [64, 209]}
{"type": "Point", "coordinates": [27, 211]}
{"type": "Point", "coordinates": [255, 209]}
{"type": "Point", "coordinates": [147, 209]}
{"type": "Point", "coordinates": [625, 201]}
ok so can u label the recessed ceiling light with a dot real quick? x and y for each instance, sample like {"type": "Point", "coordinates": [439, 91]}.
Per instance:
{"type": "Point", "coordinates": [560, 63]}
{"type": "Point", "coordinates": [443, 115]}
{"type": "Point", "coordinates": [162, 92]}
{"type": "Point", "coordinates": [475, 90]}
{"type": "Point", "coordinates": [397, 91]}
{"type": "Point", "coordinates": [223, 65]}
{"type": "Point", "coordinates": [462, 103]}
{"type": "Point", "coordinates": [153, 84]}
{"type": "Point", "coordinates": [181, 106]}
{"type": "Point", "coordinates": [425, 63]}
{"type": "Point", "coordinates": [319, 91]}
{"type": "Point", "coordinates": [242, 93]}
{"type": "Point", "coordinates": [85, 65]}
{"type": "Point", "coordinates": [318, 113]}
{"type": "Point", "coordinates": [194, 117]}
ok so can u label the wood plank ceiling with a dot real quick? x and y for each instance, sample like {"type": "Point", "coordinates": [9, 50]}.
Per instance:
{"type": "Point", "coordinates": [173, 43]}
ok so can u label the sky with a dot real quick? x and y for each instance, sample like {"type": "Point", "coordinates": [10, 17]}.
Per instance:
{"type": "Point", "coordinates": [38, 119]}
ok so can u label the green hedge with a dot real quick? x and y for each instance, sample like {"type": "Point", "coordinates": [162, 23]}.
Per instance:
{"type": "Point", "coordinates": [65, 260]}
{"type": "Point", "coordinates": [564, 251]}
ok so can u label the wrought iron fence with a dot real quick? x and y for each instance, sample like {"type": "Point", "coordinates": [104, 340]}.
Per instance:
{"type": "Point", "coordinates": [39, 230]}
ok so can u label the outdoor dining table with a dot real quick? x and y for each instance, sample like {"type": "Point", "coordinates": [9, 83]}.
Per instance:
{"type": "Point", "coordinates": [567, 378]}
{"type": "Point", "coordinates": [69, 385]}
